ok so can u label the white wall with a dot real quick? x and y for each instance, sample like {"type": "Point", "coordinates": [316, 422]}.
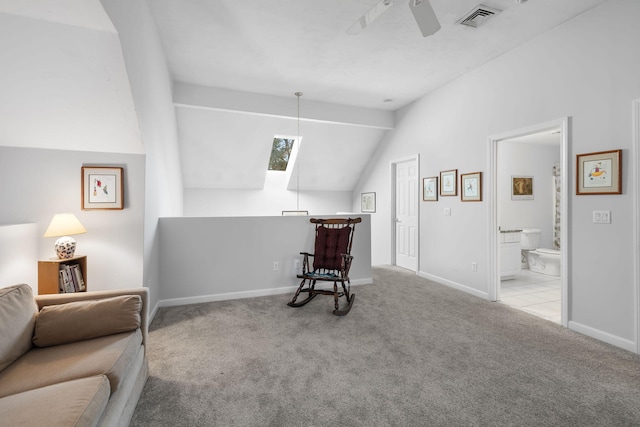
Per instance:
{"type": "Point", "coordinates": [201, 202]}
{"type": "Point", "coordinates": [207, 259]}
{"type": "Point", "coordinates": [151, 89]}
{"type": "Point", "coordinates": [535, 160]}
{"type": "Point", "coordinates": [40, 183]}
{"type": "Point", "coordinates": [584, 69]}
{"type": "Point", "coordinates": [18, 255]}
{"type": "Point", "coordinates": [270, 200]}
{"type": "Point", "coordinates": [63, 85]}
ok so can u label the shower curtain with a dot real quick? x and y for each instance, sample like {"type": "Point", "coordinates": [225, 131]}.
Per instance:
{"type": "Point", "coordinates": [556, 207]}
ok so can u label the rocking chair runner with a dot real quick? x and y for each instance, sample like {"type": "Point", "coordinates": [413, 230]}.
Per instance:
{"type": "Point", "coordinates": [331, 263]}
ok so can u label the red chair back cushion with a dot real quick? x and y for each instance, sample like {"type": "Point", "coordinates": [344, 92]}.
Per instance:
{"type": "Point", "coordinates": [331, 243]}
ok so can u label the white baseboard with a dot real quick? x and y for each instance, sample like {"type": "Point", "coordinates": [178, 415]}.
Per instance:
{"type": "Point", "coordinates": [603, 336]}
{"type": "Point", "coordinates": [152, 313]}
{"type": "Point", "coordinates": [454, 285]}
{"type": "Point", "coordinates": [239, 295]}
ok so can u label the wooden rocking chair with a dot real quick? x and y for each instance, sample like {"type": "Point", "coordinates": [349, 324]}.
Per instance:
{"type": "Point", "coordinates": [331, 263]}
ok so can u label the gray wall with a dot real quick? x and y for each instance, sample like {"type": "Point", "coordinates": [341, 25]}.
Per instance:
{"type": "Point", "coordinates": [206, 259]}
{"type": "Point", "coordinates": [35, 184]}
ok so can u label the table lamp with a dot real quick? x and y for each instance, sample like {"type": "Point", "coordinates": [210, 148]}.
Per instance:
{"type": "Point", "coordinates": [64, 225]}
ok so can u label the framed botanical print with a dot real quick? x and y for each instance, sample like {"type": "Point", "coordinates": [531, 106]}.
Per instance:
{"type": "Point", "coordinates": [102, 188]}
{"type": "Point", "coordinates": [430, 189]}
{"type": "Point", "coordinates": [449, 183]}
{"type": "Point", "coordinates": [599, 173]}
{"type": "Point", "coordinates": [368, 202]}
{"type": "Point", "coordinates": [471, 187]}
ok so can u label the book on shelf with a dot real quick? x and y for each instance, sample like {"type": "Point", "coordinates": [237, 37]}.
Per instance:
{"type": "Point", "coordinates": [71, 279]}
{"type": "Point", "coordinates": [61, 286]}
{"type": "Point", "coordinates": [65, 281]}
{"type": "Point", "coordinates": [79, 280]}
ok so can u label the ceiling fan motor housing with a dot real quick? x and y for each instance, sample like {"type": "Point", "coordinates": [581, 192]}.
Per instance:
{"type": "Point", "coordinates": [425, 17]}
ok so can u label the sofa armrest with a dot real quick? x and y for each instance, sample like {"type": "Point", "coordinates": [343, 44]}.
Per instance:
{"type": "Point", "coordinates": [54, 299]}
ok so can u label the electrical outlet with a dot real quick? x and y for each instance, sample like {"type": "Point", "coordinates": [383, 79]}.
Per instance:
{"type": "Point", "coordinates": [276, 266]}
{"type": "Point", "coordinates": [296, 265]}
{"type": "Point", "coordinates": [474, 266]}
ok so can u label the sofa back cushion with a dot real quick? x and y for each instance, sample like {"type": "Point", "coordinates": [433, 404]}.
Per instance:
{"type": "Point", "coordinates": [83, 320]}
{"type": "Point", "coordinates": [17, 318]}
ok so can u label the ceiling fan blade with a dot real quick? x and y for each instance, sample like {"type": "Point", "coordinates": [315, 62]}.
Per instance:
{"type": "Point", "coordinates": [425, 17]}
{"type": "Point", "coordinates": [369, 17]}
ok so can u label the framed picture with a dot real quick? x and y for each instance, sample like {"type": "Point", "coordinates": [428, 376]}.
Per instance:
{"type": "Point", "coordinates": [102, 188]}
{"type": "Point", "coordinates": [449, 183]}
{"type": "Point", "coordinates": [521, 188]}
{"type": "Point", "coordinates": [430, 189]}
{"type": "Point", "coordinates": [471, 187]}
{"type": "Point", "coordinates": [368, 202]}
{"type": "Point", "coordinates": [599, 173]}
{"type": "Point", "coordinates": [295, 213]}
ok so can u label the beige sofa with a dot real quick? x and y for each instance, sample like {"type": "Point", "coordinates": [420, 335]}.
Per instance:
{"type": "Point", "coordinates": [71, 359]}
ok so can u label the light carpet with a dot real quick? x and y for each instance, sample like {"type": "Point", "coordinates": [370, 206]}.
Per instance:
{"type": "Point", "coordinates": [410, 353]}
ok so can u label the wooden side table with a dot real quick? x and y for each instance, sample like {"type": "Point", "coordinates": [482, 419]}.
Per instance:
{"type": "Point", "coordinates": [49, 273]}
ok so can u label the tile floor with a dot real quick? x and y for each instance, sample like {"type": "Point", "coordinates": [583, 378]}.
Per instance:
{"type": "Point", "coordinates": [534, 293]}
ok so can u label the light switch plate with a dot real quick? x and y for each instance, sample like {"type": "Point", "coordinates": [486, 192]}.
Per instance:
{"type": "Point", "coordinates": [602, 217]}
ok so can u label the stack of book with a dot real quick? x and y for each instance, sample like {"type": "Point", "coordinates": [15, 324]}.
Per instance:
{"type": "Point", "coordinates": [71, 279]}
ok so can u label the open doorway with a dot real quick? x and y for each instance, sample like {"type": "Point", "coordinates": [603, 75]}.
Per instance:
{"type": "Point", "coordinates": [528, 202]}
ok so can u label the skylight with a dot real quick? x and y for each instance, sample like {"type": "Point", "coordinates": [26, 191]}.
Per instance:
{"type": "Point", "coordinates": [280, 153]}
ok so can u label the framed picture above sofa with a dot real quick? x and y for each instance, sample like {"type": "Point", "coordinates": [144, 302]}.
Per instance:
{"type": "Point", "coordinates": [102, 188]}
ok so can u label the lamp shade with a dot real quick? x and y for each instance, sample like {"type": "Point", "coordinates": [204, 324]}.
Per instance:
{"type": "Point", "coordinates": [64, 225]}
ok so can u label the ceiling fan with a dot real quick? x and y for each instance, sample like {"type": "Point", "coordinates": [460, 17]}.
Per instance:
{"type": "Point", "coordinates": [422, 12]}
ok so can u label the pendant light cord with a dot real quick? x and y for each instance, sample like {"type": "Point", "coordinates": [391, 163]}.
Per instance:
{"type": "Point", "coordinates": [298, 94]}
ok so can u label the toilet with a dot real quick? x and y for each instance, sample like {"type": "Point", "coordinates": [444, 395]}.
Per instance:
{"type": "Point", "coordinates": [539, 260]}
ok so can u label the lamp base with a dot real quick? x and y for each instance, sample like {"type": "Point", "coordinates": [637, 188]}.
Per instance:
{"type": "Point", "coordinates": [65, 247]}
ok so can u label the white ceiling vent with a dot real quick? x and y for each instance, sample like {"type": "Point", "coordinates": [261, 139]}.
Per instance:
{"type": "Point", "coordinates": [478, 16]}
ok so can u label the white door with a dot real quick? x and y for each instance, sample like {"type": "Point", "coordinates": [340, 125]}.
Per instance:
{"type": "Point", "coordinates": [406, 218]}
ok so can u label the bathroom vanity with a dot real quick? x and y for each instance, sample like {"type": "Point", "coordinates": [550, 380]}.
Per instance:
{"type": "Point", "coordinates": [510, 255]}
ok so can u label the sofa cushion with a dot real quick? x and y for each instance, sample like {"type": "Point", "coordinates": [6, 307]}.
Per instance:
{"type": "Point", "coordinates": [111, 356]}
{"type": "Point", "coordinates": [17, 317]}
{"type": "Point", "coordinates": [82, 320]}
{"type": "Point", "coordinates": [75, 403]}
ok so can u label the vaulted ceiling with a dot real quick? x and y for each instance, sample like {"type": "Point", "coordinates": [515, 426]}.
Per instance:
{"type": "Point", "coordinates": [236, 66]}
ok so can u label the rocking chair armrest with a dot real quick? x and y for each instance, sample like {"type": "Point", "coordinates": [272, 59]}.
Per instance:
{"type": "Point", "coordinates": [305, 262]}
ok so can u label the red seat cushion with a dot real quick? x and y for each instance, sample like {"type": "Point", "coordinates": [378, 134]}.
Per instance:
{"type": "Point", "coordinates": [331, 243]}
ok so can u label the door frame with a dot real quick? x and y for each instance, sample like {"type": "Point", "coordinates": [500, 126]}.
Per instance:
{"type": "Point", "coordinates": [392, 167]}
{"type": "Point", "coordinates": [636, 218]}
{"type": "Point", "coordinates": [493, 229]}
